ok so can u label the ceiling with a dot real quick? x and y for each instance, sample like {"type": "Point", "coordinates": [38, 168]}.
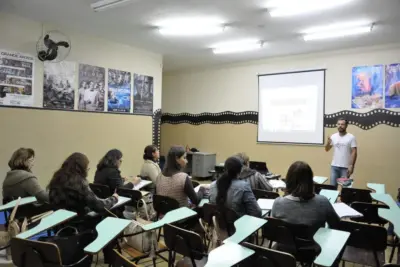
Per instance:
{"type": "Point", "coordinates": [132, 24]}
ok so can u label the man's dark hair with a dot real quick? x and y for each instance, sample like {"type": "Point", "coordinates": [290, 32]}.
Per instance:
{"type": "Point", "coordinates": [343, 119]}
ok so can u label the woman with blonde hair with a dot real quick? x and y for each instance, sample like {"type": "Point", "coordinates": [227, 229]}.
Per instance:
{"type": "Point", "coordinates": [20, 181]}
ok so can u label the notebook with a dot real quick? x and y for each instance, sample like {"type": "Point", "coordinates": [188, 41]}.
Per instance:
{"type": "Point", "coordinates": [345, 211]}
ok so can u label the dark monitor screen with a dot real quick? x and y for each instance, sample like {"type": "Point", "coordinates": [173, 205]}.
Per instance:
{"type": "Point", "coordinates": [259, 166]}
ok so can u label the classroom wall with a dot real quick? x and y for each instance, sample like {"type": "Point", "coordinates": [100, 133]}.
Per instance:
{"type": "Point", "coordinates": [56, 134]}
{"type": "Point", "coordinates": [234, 88]}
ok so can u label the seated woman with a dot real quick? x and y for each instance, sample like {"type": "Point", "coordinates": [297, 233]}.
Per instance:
{"type": "Point", "coordinates": [256, 179]}
{"type": "Point", "coordinates": [108, 172]}
{"type": "Point", "coordinates": [300, 205]}
{"type": "Point", "coordinates": [150, 167]}
{"type": "Point", "coordinates": [176, 184]}
{"type": "Point", "coordinates": [20, 181]}
{"type": "Point", "coordinates": [69, 188]}
{"type": "Point", "coordinates": [233, 193]}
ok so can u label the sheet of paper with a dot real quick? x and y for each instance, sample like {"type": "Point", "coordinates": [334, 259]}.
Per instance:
{"type": "Point", "coordinates": [345, 211]}
{"type": "Point", "coordinates": [266, 204]}
{"type": "Point", "coordinates": [277, 183]}
{"type": "Point", "coordinates": [142, 184]}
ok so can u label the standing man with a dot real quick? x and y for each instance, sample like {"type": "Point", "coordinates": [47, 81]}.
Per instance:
{"type": "Point", "coordinates": [344, 152]}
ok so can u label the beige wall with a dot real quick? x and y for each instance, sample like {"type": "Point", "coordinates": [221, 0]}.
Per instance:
{"type": "Point", "coordinates": [56, 134]}
{"type": "Point", "coordinates": [234, 88]}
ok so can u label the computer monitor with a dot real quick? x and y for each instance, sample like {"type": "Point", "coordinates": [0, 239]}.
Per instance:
{"type": "Point", "coordinates": [259, 166]}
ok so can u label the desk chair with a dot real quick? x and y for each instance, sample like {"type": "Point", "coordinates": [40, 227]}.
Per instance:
{"type": "Point", "coordinates": [224, 219]}
{"type": "Point", "coordinates": [186, 243]}
{"type": "Point", "coordinates": [209, 211]}
{"type": "Point", "coordinates": [268, 257]}
{"type": "Point", "coordinates": [366, 244]}
{"type": "Point", "coordinates": [195, 184]}
{"type": "Point", "coordinates": [101, 191]}
{"type": "Point", "coordinates": [350, 195]}
{"type": "Point", "coordinates": [162, 205]}
{"type": "Point", "coordinates": [369, 212]}
{"type": "Point", "coordinates": [134, 195]}
{"type": "Point", "coordinates": [121, 261]}
{"type": "Point", "coordinates": [28, 253]}
{"type": "Point", "coordinates": [258, 193]}
{"type": "Point", "coordinates": [319, 187]}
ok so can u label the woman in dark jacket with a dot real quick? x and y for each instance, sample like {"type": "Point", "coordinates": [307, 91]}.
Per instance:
{"type": "Point", "coordinates": [108, 172]}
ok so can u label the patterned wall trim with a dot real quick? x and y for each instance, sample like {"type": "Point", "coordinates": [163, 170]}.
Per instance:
{"type": "Point", "coordinates": [157, 128]}
{"type": "Point", "coordinates": [364, 121]}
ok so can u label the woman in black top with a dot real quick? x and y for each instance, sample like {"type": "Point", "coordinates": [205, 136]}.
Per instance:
{"type": "Point", "coordinates": [108, 172]}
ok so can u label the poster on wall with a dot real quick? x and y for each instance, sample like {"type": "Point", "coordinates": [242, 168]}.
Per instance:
{"type": "Point", "coordinates": [91, 91]}
{"type": "Point", "coordinates": [16, 79]}
{"type": "Point", "coordinates": [392, 87]}
{"type": "Point", "coordinates": [143, 94]}
{"type": "Point", "coordinates": [59, 85]}
{"type": "Point", "coordinates": [367, 87]}
{"type": "Point", "coordinates": [119, 91]}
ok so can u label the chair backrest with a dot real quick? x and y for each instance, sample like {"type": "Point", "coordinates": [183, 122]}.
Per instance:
{"type": "Point", "coordinates": [319, 187]}
{"type": "Point", "coordinates": [365, 236]}
{"type": "Point", "coordinates": [369, 212]}
{"type": "Point", "coordinates": [258, 166]}
{"type": "Point", "coordinates": [121, 261]}
{"type": "Point", "coordinates": [134, 195]}
{"type": "Point", "coordinates": [184, 242]}
{"type": "Point", "coordinates": [100, 190]}
{"type": "Point", "coordinates": [350, 195]}
{"type": "Point", "coordinates": [258, 193]}
{"type": "Point", "coordinates": [209, 210]}
{"type": "Point", "coordinates": [164, 204]}
{"type": "Point", "coordinates": [195, 184]}
{"type": "Point", "coordinates": [27, 253]}
{"type": "Point", "coordinates": [268, 257]}
{"type": "Point", "coordinates": [225, 218]}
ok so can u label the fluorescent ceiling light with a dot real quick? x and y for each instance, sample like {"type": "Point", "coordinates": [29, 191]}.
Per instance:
{"type": "Point", "coordinates": [106, 4]}
{"type": "Point", "coordinates": [237, 46]}
{"type": "Point", "coordinates": [338, 26]}
{"type": "Point", "coordinates": [282, 8]}
{"type": "Point", "coordinates": [337, 33]}
{"type": "Point", "coordinates": [191, 26]}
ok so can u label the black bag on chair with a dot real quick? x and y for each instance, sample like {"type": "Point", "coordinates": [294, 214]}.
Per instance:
{"type": "Point", "coordinates": [71, 243]}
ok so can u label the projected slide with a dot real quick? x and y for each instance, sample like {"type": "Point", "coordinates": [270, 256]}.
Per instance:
{"type": "Point", "coordinates": [291, 107]}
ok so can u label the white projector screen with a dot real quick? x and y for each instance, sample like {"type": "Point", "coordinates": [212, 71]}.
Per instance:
{"type": "Point", "coordinates": [291, 107]}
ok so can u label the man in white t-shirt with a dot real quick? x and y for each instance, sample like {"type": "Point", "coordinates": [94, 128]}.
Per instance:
{"type": "Point", "coordinates": [344, 152]}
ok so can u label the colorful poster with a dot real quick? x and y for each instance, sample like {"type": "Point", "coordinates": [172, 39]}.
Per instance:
{"type": "Point", "coordinates": [143, 94]}
{"type": "Point", "coordinates": [91, 88]}
{"type": "Point", "coordinates": [16, 79]}
{"type": "Point", "coordinates": [367, 87]}
{"type": "Point", "coordinates": [59, 85]}
{"type": "Point", "coordinates": [119, 91]}
{"type": "Point", "coordinates": [392, 88]}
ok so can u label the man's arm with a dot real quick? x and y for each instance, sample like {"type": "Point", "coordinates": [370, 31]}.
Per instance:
{"type": "Point", "coordinates": [328, 144]}
{"type": "Point", "coordinates": [353, 161]}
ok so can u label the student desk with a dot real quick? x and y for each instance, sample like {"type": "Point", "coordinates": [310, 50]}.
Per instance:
{"type": "Point", "coordinates": [107, 230]}
{"type": "Point", "coordinates": [203, 201]}
{"type": "Point", "coordinates": [54, 219]}
{"type": "Point", "coordinates": [121, 201]}
{"type": "Point", "coordinates": [228, 255]}
{"type": "Point", "coordinates": [319, 179]}
{"type": "Point", "coordinates": [331, 243]}
{"type": "Point", "coordinates": [171, 217]}
{"type": "Point", "coordinates": [24, 201]}
{"type": "Point", "coordinates": [378, 188]}
{"type": "Point", "coordinates": [386, 199]}
{"type": "Point", "coordinates": [392, 214]}
{"type": "Point", "coordinates": [331, 195]}
{"type": "Point", "coordinates": [245, 226]}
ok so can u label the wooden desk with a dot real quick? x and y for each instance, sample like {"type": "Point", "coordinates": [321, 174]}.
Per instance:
{"type": "Point", "coordinates": [320, 179]}
{"type": "Point", "coordinates": [171, 217]}
{"type": "Point", "coordinates": [107, 230]}
{"type": "Point", "coordinates": [121, 201]}
{"type": "Point", "coordinates": [385, 199]}
{"type": "Point", "coordinates": [331, 243]}
{"type": "Point", "coordinates": [378, 188]}
{"type": "Point", "coordinates": [203, 201]}
{"type": "Point", "coordinates": [228, 255]}
{"type": "Point", "coordinates": [245, 226]}
{"type": "Point", "coordinates": [54, 219]}
{"type": "Point", "coordinates": [24, 201]}
{"type": "Point", "coordinates": [331, 195]}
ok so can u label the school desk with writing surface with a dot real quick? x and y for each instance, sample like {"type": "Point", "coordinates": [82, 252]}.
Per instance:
{"type": "Point", "coordinates": [385, 199]}
{"type": "Point", "coordinates": [331, 195]}
{"type": "Point", "coordinates": [378, 188]}
{"type": "Point", "coordinates": [24, 201]}
{"type": "Point", "coordinates": [319, 179]}
{"type": "Point", "coordinates": [54, 219]}
{"type": "Point", "coordinates": [203, 201]}
{"type": "Point", "coordinates": [392, 214]}
{"type": "Point", "coordinates": [332, 243]}
{"type": "Point", "coordinates": [121, 202]}
{"type": "Point", "coordinates": [245, 226]}
{"type": "Point", "coordinates": [171, 217]}
{"type": "Point", "coordinates": [228, 255]}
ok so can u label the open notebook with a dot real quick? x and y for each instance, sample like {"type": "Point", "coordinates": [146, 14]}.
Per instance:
{"type": "Point", "coordinates": [345, 211]}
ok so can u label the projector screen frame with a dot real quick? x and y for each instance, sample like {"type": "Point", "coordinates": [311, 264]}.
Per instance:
{"type": "Point", "coordinates": [323, 108]}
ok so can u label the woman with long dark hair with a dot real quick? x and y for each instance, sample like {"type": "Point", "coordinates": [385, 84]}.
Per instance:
{"type": "Point", "coordinates": [230, 192]}
{"type": "Point", "coordinates": [150, 167]}
{"type": "Point", "coordinates": [301, 205]}
{"type": "Point", "coordinates": [69, 188]}
{"type": "Point", "coordinates": [108, 172]}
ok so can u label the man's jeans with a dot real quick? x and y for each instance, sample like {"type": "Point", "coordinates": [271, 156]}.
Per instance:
{"type": "Point", "coordinates": [336, 173]}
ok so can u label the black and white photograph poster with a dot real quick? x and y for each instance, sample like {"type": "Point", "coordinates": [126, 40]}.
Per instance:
{"type": "Point", "coordinates": [119, 91]}
{"type": "Point", "coordinates": [59, 85]}
{"type": "Point", "coordinates": [16, 79]}
{"type": "Point", "coordinates": [143, 94]}
{"type": "Point", "coordinates": [91, 92]}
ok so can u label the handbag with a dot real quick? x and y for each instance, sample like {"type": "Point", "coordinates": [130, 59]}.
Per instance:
{"type": "Point", "coordinates": [71, 243]}
{"type": "Point", "coordinates": [141, 241]}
